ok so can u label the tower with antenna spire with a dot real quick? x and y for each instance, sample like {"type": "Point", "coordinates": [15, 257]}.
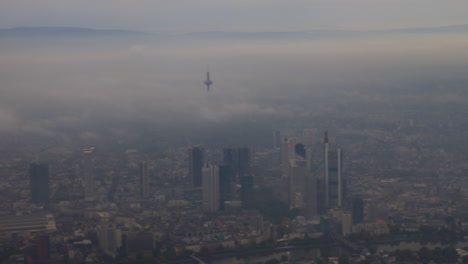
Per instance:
{"type": "Point", "coordinates": [208, 82]}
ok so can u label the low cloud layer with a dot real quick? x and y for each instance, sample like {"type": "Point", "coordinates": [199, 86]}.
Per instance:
{"type": "Point", "coordinates": [102, 89]}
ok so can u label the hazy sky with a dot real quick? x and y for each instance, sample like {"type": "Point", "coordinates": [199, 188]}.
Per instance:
{"type": "Point", "coordinates": [230, 15]}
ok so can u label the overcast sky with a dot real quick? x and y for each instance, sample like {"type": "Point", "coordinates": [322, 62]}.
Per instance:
{"type": "Point", "coordinates": [230, 15]}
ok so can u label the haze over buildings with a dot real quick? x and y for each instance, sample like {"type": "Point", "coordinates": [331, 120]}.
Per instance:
{"type": "Point", "coordinates": [176, 170]}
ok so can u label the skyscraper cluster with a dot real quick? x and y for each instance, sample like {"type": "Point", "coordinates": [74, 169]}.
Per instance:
{"type": "Point", "coordinates": [226, 181]}
{"type": "Point", "coordinates": [309, 190]}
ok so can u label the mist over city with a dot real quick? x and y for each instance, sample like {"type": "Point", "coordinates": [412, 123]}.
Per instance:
{"type": "Point", "coordinates": [71, 87]}
{"type": "Point", "coordinates": [324, 132]}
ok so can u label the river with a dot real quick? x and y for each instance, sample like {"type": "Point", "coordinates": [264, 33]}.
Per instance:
{"type": "Point", "coordinates": [313, 253]}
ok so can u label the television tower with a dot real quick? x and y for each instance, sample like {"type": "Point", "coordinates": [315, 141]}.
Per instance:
{"type": "Point", "coordinates": [208, 82]}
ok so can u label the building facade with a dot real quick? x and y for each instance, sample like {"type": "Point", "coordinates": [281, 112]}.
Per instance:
{"type": "Point", "coordinates": [39, 183]}
{"type": "Point", "coordinates": [195, 161]}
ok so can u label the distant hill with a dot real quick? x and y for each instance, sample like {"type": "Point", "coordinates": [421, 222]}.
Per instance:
{"type": "Point", "coordinates": [48, 32]}
{"type": "Point", "coordinates": [65, 32]}
{"type": "Point", "coordinates": [319, 34]}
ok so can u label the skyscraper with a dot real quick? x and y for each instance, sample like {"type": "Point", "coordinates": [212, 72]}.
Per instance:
{"type": "Point", "coordinates": [238, 159]}
{"type": "Point", "coordinates": [247, 192]}
{"type": "Point", "coordinates": [276, 139]}
{"type": "Point", "coordinates": [143, 181]}
{"type": "Point", "coordinates": [333, 180]}
{"type": "Point", "coordinates": [243, 157]}
{"type": "Point", "coordinates": [39, 183]}
{"type": "Point", "coordinates": [287, 153]}
{"type": "Point", "coordinates": [210, 190]}
{"type": "Point", "coordinates": [296, 166]}
{"type": "Point", "coordinates": [88, 174]}
{"type": "Point", "coordinates": [225, 184]}
{"type": "Point", "coordinates": [357, 209]}
{"type": "Point", "coordinates": [196, 160]}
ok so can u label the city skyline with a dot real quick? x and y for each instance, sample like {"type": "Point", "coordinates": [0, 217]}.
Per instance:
{"type": "Point", "coordinates": [262, 131]}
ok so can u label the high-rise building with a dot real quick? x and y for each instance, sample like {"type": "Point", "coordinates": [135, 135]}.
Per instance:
{"type": "Point", "coordinates": [333, 180]}
{"type": "Point", "coordinates": [238, 159]}
{"type": "Point", "coordinates": [286, 153]}
{"type": "Point", "coordinates": [296, 166]}
{"type": "Point", "coordinates": [276, 139]}
{"type": "Point", "coordinates": [346, 223]}
{"type": "Point", "coordinates": [144, 193]}
{"type": "Point", "coordinates": [196, 161]}
{"type": "Point", "coordinates": [357, 209]}
{"type": "Point", "coordinates": [210, 190]}
{"type": "Point", "coordinates": [88, 174]}
{"type": "Point", "coordinates": [225, 184]}
{"type": "Point", "coordinates": [39, 183]}
{"type": "Point", "coordinates": [247, 192]}
{"type": "Point", "coordinates": [243, 157]}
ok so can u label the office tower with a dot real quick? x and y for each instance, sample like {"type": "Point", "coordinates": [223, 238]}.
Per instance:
{"type": "Point", "coordinates": [276, 139]}
{"type": "Point", "coordinates": [88, 174]}
{"type": "Point", "coordinates": [225, 184]}
{"type": "Point", "coordinates": [297, 183]}
{"type": "Point", "coordinates": [238, 159]}
{"type": "Point", "coordinates": [210, 190]}
{"type": "Point", "coordinates": [39, 183]}
{"type": "Point", "coordinates": [196, 161]}
{"type": "Point", "coordinates": [230, 157]}
{"type": "Point", "coordinates": [287, 154]}
{"type": "Point", "coordinates": [346, 223]}
{"type": "Point", "coordinates": [357, 209]}
{"type": "Point", "coordinates": [247, 192]}
{"type": "Point", "coordinates": [243, 157]}
{"type": "Point", "coordinates": [296, 166]}
{"type": "Point", "coordinates": [143, 181]}
{"type": "Point", "coordinates": [333, 180]}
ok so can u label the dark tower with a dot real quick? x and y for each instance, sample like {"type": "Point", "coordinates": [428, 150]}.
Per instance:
{"type": "Point", "coordinates": [239, 159]}
{"type": "Point", "coordinates": [243, 157]}
{"type": "Point", "coordinates": [195, 165]}
{"type": "Point", "coordinates": [230, 157]}
{"type": "Point", "coordinates": [225, 184]}
{"type": "Point", "coordinates": [144, 194]}
{"type": "Point", "coordinates": [247, 192]}
{"type": "Point", "coordinates": [357, 209]}
{"type": "Point", "coordinates": [39, 181]}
